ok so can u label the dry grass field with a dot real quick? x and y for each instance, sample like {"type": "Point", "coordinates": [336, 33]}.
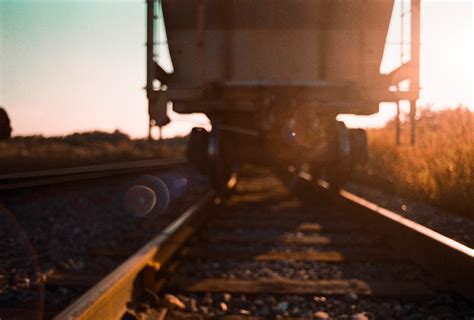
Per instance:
{"type": "Point", "coordinates": [438, 169]}
{"type": "Point", "coordinates": [37, 152]}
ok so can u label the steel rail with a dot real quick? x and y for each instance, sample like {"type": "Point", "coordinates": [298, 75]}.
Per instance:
{"type": "Point", "coordinates": [452, 261]}
{"type": "Point", "coordinates": [46, 177]}
{"type": "Point", "coordinates": [443, 256]}
{"type": "Point", "coordinates": [108, 299]}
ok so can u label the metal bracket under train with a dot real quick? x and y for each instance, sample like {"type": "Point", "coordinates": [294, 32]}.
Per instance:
{"type": "Point", "coordinates": [273, 75]}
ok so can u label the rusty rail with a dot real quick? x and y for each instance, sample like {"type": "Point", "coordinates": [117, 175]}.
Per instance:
{"type": "Point", "coordinates": [108, 299]}
{"type": "Point", "coordinates": [442, 255]}
{"type": "Point", "coordinates": [432, 250]}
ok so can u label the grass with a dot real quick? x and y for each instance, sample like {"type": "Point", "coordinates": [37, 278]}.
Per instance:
{"type": "Point", "coordinates": [37, 152]}
{"type": "Point", "coordinates": [438, 169]}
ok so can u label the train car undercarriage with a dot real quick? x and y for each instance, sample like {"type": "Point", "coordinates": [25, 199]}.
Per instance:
{"type": "Point", "coordinates": [272, 82]}
{"type": "Point", "coordinates": [302, 138]}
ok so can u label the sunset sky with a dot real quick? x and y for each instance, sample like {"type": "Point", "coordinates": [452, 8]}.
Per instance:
{"type": "Point", "coordinates": [71, 66]}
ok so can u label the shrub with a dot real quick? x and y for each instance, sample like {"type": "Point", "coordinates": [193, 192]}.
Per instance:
{"type": "Point", "coordinates": [439, 168]}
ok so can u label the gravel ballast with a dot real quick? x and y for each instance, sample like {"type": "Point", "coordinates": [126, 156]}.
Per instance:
{"type": "Point", "coordinates": [207, 281]}
{"type": "Point", "coordinates": [55, 230]}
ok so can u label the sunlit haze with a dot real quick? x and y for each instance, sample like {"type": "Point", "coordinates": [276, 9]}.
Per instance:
{"type": "Point", "coordinates": [70, 66]}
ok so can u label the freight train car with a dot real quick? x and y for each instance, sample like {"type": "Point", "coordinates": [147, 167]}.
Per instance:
{"type": "Point", "coordinates": [272, 76]}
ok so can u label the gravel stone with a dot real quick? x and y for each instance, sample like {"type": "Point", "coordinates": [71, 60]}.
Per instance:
{"type": "Point", "coordinates": [245, 312]}
{"type": "Point", "coordinates": [282, 306]}
{"type": "Point", "coordinates": [173, 302]}
{"type": "Point", "coordinates": [207, 299]}
{"type": "Point", "coordinates": [359, 316]}
{"type": "Point", "coordinates": [204, 310]}
{"type": "Point", "coordinates": [351, 297]}
{"type": "Point", "coordinates": [223, 306]}
{"type": "Point", "coordinates": [226, 297]}
{"type": "Point", "coordinates": [263, 311]}
{"type": "Point", "coordinates": [321, 315]}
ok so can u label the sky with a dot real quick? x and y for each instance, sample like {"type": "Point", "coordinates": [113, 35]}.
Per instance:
{"type": "Point", "coordinates": [68, 66]}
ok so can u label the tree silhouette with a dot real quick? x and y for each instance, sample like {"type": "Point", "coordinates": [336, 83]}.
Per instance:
{"type": "Point", "coordinates": [5, 127]}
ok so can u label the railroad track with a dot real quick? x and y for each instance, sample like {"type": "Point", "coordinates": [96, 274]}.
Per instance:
{"type": "Point", "coordinates": [29, 179]}
{"type": "Point", "coordinates": [265, 253]}
{"type": "Point", "coordinates": [45, 278]}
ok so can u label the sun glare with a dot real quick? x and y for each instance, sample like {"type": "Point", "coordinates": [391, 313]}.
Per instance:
{"type": "Point", "coordinates": [446, 60]}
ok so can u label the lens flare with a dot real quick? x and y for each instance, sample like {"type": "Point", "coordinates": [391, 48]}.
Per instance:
{"type": "Point", "coordinates": [160, 189]}
{"type": "Point", "coordinates": [139, 200]}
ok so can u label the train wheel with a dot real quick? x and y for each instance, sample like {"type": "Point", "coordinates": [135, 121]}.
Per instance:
{"type": "Point", "coordinates": [220, 160]}
{"type": "Point", "coordinates": [197, 149]}
{"type": "Point", "coordinates": [338, 167]}
{"type": "Point", "coordinates": [359, 147]}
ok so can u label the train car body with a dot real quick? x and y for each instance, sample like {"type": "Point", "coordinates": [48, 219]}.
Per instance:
{"type": "Point", "coordinates": [228, 50]}
{"type": "Point", "coordinates": [279, 71]}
